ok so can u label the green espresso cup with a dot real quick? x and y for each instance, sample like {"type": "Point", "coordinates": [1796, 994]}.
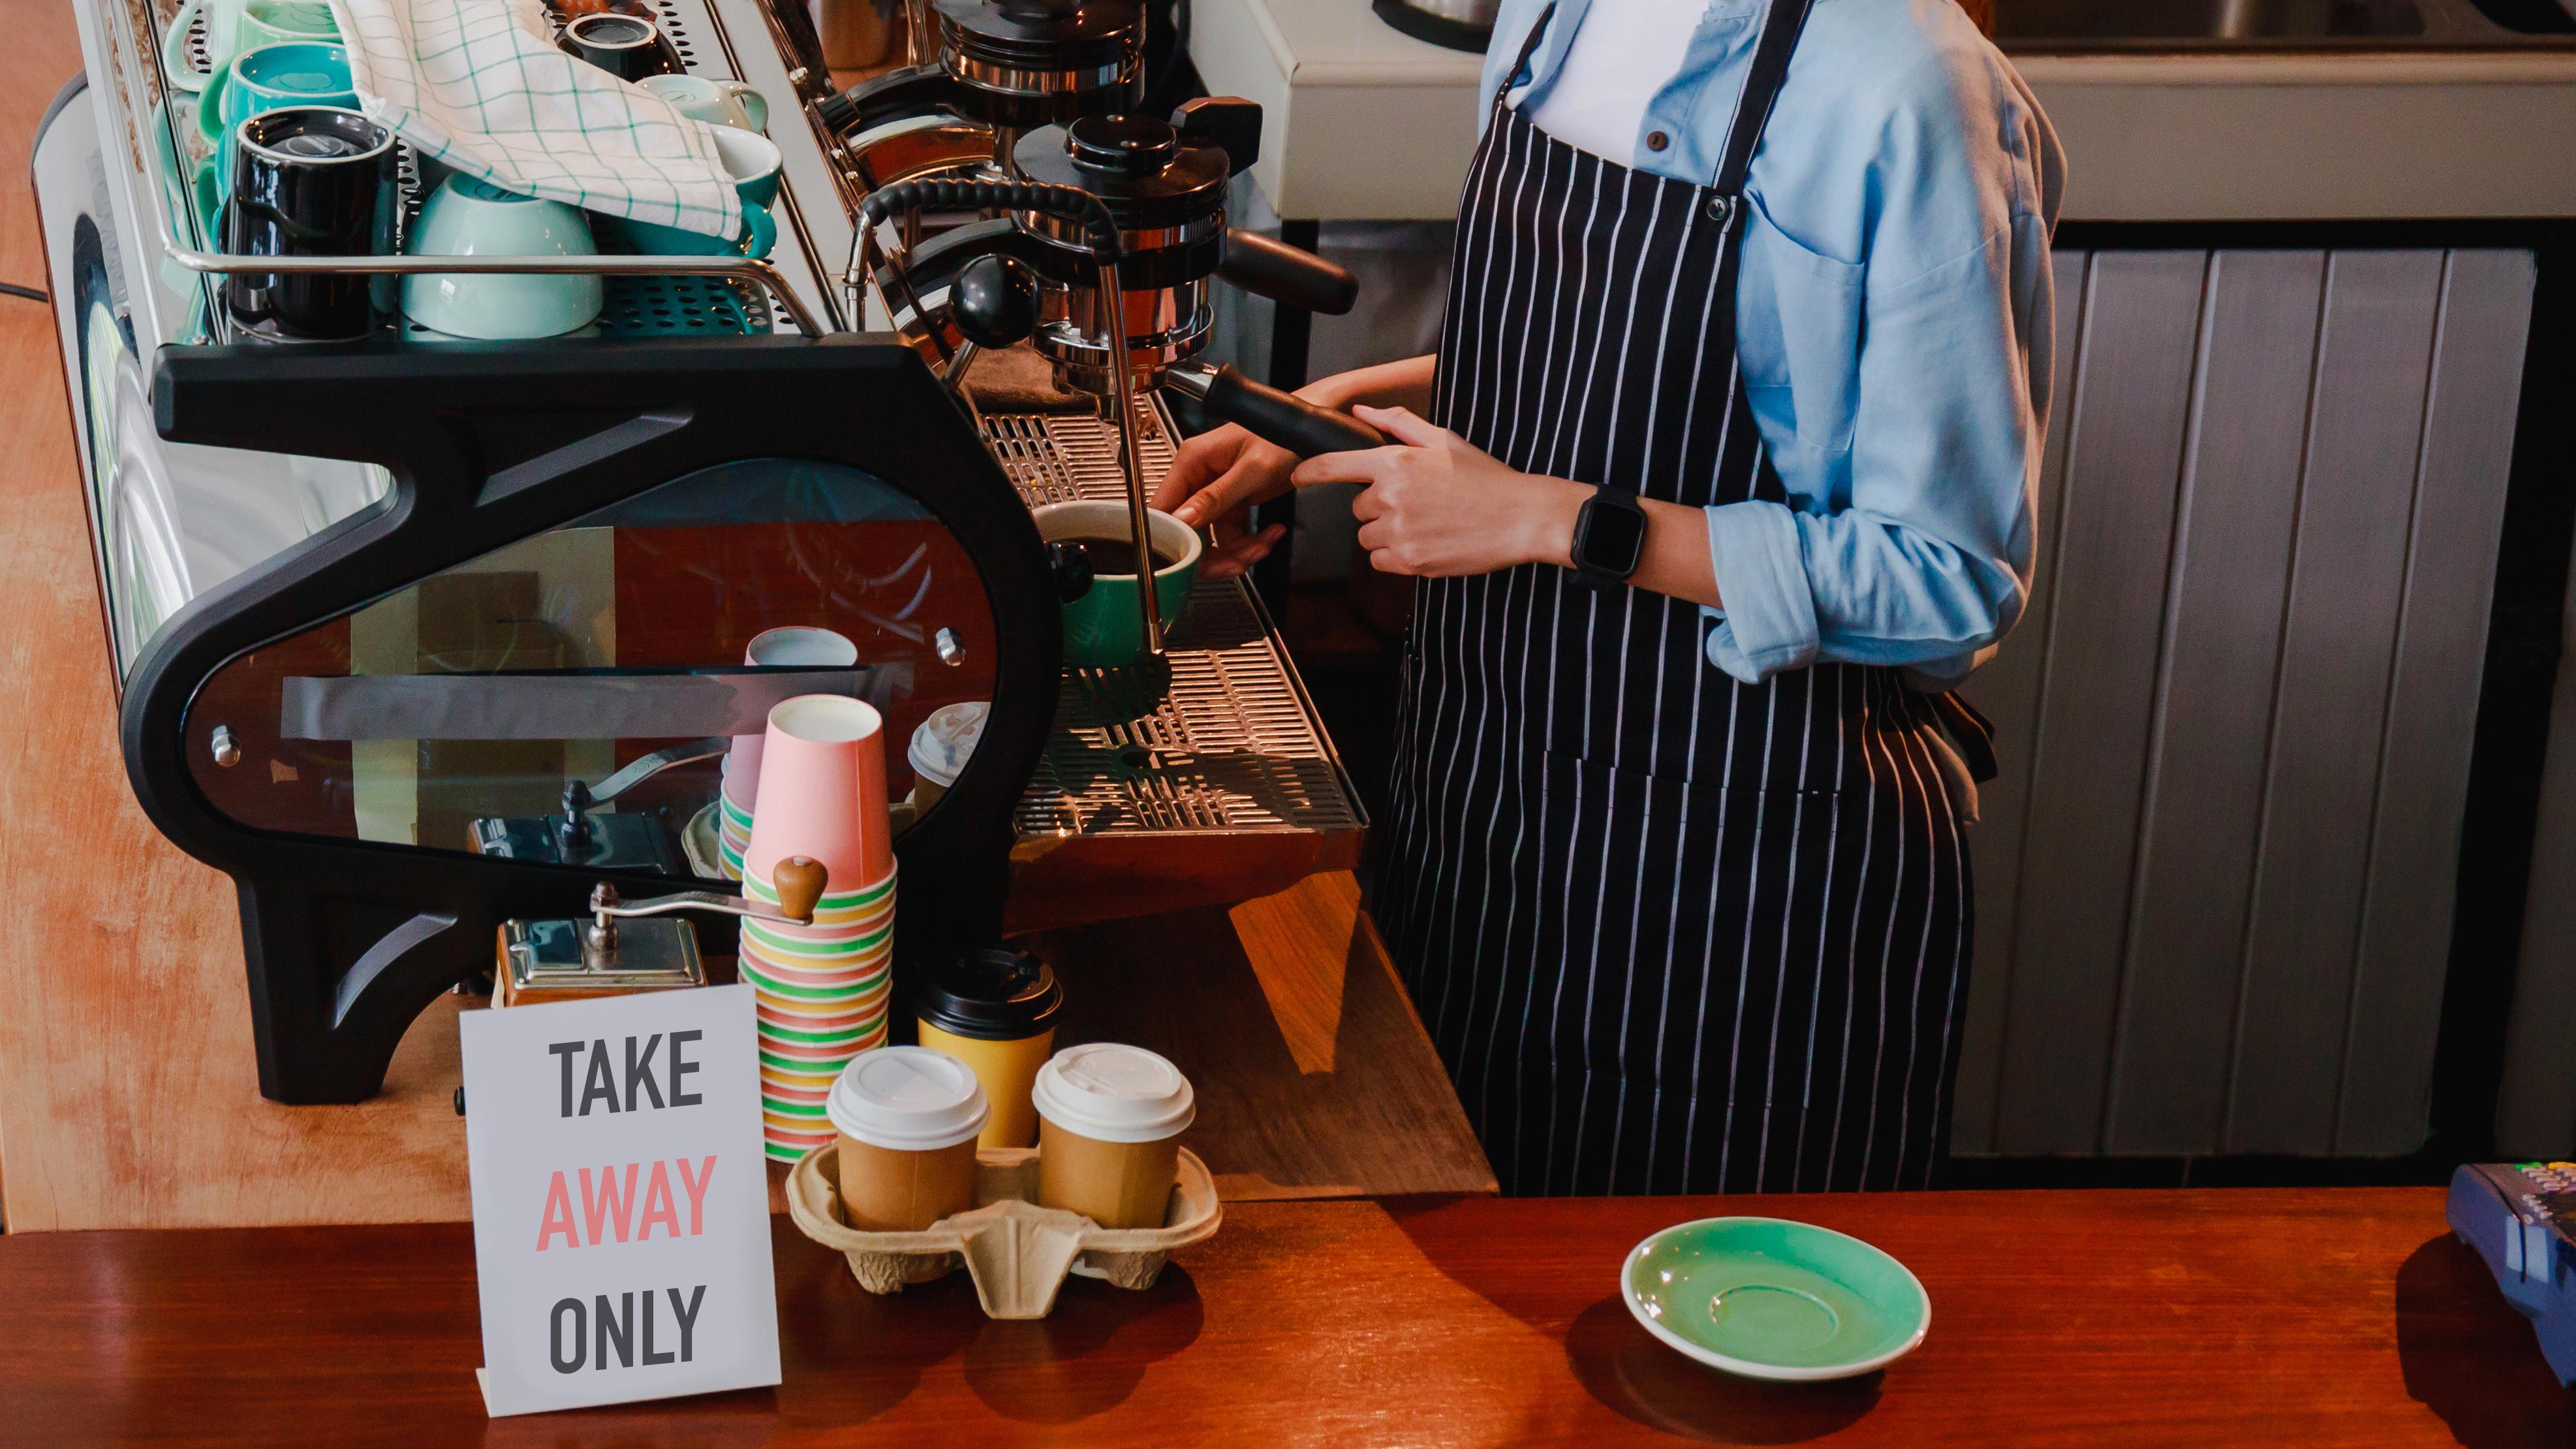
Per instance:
{"type": "Point", "coordinates": [266, 77]}
{"type": "Point", "coordinates": [1101, 628]}
{"type": "Point", "coordinates": [652, 239]}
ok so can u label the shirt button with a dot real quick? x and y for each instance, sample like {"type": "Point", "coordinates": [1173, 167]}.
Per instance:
{"type": "Point", "coordinates": [1657, 140]}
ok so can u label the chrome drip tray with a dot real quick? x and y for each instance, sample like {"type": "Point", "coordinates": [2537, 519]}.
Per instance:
{"type": "Point", "coordinates": [1202, 778]}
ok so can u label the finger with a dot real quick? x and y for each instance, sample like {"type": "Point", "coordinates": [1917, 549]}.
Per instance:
{"type": "Point", "coordinates": [1362, 466]}
{"type": "Point", "coordinates": [1403, 426]}
{"type": "Point", "coordinates": [1369, 503]}
{"type": "Point", "coordinates": [1196, 463]}
{"type": "Point", "coordinates": [1376, 535]}
{"type": "Point", "coordinates": [1236, 488]}
{"type": "Point", "coordinates": [1383, 560]}
{"type": "Point", "coordinates": [1239, 556]}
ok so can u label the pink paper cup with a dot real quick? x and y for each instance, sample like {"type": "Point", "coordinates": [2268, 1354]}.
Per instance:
{"type": "Point", "coordinates": [823, 791]}
{"type": "Point", "coordinates": [792, 645]}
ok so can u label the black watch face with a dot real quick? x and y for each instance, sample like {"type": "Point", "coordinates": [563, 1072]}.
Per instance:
{"type": "Point", "coordinates": [1613, 538]}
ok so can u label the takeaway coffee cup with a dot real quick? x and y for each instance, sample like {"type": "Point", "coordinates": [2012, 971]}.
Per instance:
{"type": "Point", "coordinates": [995, 1010]}
{"type": "Point", "coordinates": [1110, 1119]}
{"type": "Point", "coordinates": [907, 1119]}
{"type": "Point", "coordinates": [940, 748]}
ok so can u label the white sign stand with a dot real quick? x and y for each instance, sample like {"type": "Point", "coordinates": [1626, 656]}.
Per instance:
{"type": "Point", "coordinates": [621, 1208]}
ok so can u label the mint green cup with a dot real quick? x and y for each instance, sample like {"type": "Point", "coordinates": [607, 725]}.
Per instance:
{"type": "Point", "coordinates": [269, 77]}
{"type": "Point", "coordinates": [1101, 628]}
{"type": "Point", "coordinates": [470, 217]}
{"type": "Point", "coordinates": [652, 239]}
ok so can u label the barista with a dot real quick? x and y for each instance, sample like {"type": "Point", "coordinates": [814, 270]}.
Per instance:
{"type": "Point", "coordinates": [1721, 476]}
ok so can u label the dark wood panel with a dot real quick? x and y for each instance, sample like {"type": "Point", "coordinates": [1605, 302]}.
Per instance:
{"type": "Point", "coordinates": [2007, 689]}
{"type": "Point", "coordinates": [2178, 1318]}
{"type": "Point", "coordinates": [2213, 706]}
{"type": "Point", "coordinates": [2356, 499]}
{"type": "Point", "coordinates": [2124, 452]}
{"type": "Point", "coordinates": [2433, 702]}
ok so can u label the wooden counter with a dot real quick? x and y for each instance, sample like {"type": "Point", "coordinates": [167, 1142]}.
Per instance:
{"type": "Point", "coordinates": [2212, 1317]}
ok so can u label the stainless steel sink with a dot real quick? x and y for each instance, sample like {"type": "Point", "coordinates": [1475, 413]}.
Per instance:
{"type": "Point", "coordinates": [2133, 25]}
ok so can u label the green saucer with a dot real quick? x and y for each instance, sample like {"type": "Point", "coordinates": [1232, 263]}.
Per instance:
{"type": "Point", "coordinates": [1772, 1299]}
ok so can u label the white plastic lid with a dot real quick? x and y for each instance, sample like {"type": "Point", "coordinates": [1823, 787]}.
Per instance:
{"type": "Point", "coordinates": [941, 745]}
{"type": "Point", "coordinates": [907, 1099]}
{"type": "Point", "coordinates": [1113, 1093]}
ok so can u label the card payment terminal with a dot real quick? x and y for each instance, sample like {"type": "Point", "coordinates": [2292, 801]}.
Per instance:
{"type": "Point", "coordinates": [2521, 1217]}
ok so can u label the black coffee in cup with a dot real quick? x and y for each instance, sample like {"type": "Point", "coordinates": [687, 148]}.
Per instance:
{"type": "Point", "coordinates": [309, 181]}
{"type": "Point", "coordinates": [1108, 556]}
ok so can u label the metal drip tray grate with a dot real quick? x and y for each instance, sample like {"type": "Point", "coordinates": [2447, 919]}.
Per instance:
{"type": "Point", "coordinates": [1220, 737]}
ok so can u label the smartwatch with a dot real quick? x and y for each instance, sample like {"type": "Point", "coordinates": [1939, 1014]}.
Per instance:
{"type": "Point", "coordinates": [1609, 538]}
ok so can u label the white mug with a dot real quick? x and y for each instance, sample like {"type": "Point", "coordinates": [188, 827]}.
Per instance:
{"type": "Point", "coordinates": [716, 102]}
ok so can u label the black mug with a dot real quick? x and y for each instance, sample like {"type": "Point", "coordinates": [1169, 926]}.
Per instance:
{"type": "Point", "coordinates": [628, 47]}
{"type": "Point", "coordinates": [309, 181]}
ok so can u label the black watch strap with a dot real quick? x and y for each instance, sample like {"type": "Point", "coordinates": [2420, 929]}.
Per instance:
{"type": "Point", "coordinates": [1609, 538]}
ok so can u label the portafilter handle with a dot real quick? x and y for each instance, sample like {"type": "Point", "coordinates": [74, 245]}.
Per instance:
{"type": "Point", "coordinates": [1286, 419]}
{"type": "Point", "coordinates": [1282, 273]}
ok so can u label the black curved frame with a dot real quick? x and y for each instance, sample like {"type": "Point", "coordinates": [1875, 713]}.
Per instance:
{"type": "Point", "coordinates": [348, 941]}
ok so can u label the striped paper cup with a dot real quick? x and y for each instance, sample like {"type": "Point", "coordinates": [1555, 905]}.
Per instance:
{"type": "Point", "coordinates": [789, 1120]}
{"type": "Point", "coordinates": [844, 1034]}
{"type": "Point", "coordinates": [815, 971]}
{"type": "Point", "coordinates": [815, 988]}
{"type": "Point", "coordinates": [839, 1031]}
{"type": "Point", "coordinates": [805, 1077]}
{"type": "Point", "coordinates": [807, 1061]}
{"type": "Point", "coordinates": [849, 977]}
{"type": "Point", "coordinates": [817, 1015]}
{"type": "Point", "coordinates": [780, 1020]}
{"type": "Point", "coordinates": [791, 1147]}
{"type": "Point", "coordinates": [816, 948]}
{"type": "Point", "coordinates": [837, 908]}
{"type": "Point", "coordinates": [841, 893]}
{"type": "Point", "coordinates": [798, 1092]}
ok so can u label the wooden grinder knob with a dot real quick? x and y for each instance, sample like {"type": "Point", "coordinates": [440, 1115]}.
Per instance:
{"type": "Point", "coordinates": [800, 886]}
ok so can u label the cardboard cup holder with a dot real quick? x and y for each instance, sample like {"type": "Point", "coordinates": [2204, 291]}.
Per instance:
{"type": "Point", "coordinates": [1017, 1252]}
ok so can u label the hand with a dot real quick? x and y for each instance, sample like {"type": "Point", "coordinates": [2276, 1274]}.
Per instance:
{"type": "Point", "coordinates": [1437, 507]}
{"type": "Point", "coordinates": [1214, 481]}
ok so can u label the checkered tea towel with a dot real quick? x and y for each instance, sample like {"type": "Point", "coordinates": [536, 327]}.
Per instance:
{"type": "Point", "coordinates": [480, 85]}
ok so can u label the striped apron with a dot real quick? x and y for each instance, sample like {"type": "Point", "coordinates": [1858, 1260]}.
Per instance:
{"type": "Point", "coordinates": [1670, 932]}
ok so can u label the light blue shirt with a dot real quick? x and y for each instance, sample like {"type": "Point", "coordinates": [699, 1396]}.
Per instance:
{"type": "Point", "coordinates": [1894, 320]}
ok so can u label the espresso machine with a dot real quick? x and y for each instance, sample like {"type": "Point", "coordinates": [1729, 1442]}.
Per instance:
{"type": "Point", "coordinates": [418, 638]}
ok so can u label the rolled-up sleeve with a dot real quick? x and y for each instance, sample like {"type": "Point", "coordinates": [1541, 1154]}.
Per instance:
{"type": "Point", "coordinates": [1915, 546]}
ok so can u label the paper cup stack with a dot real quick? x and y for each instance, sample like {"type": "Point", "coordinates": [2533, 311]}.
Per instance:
{"type": "Point", "coordinates": [793, 646]}
{"type": "Point", "coordinates": [822, 989]}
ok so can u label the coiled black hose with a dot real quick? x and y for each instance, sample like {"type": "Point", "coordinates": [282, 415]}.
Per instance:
{"type": "Point", "coordinates": [1065, 203]}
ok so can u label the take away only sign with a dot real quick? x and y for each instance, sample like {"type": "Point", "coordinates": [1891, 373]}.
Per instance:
{"type": "Point", "coordinates": [621, 1209]}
